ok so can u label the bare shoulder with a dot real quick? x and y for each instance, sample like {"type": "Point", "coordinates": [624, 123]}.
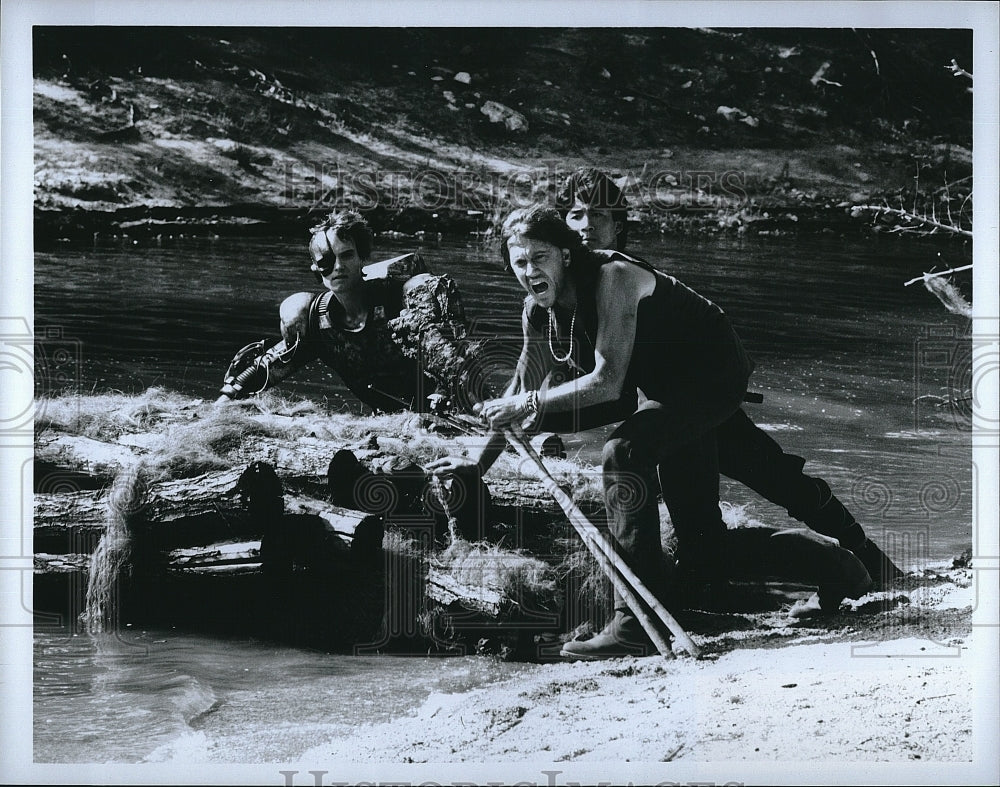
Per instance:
{"type": "Point", "coordinates": [295, 305]}
{"type": "Point", "coordinates": [619, 275]}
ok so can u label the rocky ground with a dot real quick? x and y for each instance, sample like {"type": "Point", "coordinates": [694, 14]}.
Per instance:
{"type": "Point", "coordinates": [157, 131]}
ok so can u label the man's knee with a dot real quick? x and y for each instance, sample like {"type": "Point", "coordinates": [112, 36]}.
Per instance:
{"type": "Point", "coordinates": [617, 453]}
{"type": "Point", "coordinates": [294, 316]}
{"type": "Point", "coordinates": [629, 485]}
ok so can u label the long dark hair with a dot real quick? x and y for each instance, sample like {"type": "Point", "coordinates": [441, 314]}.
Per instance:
{"type": "Point", "coordinates": [543, 222]}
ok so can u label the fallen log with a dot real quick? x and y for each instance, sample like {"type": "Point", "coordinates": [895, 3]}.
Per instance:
{"type": "Point", "coordinates": [165, 501]}
{"type": "Point", "coordinates": [45, 563]}
{"type": "Point", "coordinates": [301, 457]}
{"type": "Point", "coordinates": [187, 512]}
{"type": "Point", "coordinates": [446, 590]}
{"type": "Point", "coordinates": [204, 537]}
{"type": "Point", "coordinates": [62, 519]}
{"type": "Point", "coordinates": [84, 454]}
{"type": "Point", "coordinates": [234, 557]}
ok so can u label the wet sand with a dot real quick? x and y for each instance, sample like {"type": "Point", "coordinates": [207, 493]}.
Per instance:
{"type": "Point", "coordinates": [888, 679]}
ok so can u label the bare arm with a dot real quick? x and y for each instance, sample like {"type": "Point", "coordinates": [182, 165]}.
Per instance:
{"type": "Point", "coordinates": [620, 288]}
{"type": "Point", "coordinates": [258, 367]}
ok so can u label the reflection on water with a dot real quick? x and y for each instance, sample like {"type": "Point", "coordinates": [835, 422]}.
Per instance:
{"type": "Point", "coordinates": [853, 368]}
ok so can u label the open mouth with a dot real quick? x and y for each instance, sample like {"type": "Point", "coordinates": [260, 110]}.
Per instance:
{"type": "Point", "coordinates": [539, 287]}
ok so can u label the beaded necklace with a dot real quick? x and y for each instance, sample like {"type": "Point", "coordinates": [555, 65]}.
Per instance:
{"type": "Point", "coordinates": [569, 353]}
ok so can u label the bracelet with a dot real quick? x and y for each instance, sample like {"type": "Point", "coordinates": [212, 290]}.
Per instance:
{"type": "Point", "coordinates": [531, 406]}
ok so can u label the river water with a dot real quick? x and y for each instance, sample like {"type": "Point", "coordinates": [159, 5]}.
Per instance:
{"type": "Point", "coordinates": [855, 370]}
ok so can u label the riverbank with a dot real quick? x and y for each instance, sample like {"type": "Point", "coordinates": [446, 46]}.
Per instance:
{"type": "Point", "coordinates": [159, 133]}
{"type": "Point", "coordinates": [850, 696]}
{"type": "Point", "coordinates": [887, 678]}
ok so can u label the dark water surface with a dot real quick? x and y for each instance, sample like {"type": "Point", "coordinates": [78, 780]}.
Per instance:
{"type": "Point", "coordinates": [852, 365]}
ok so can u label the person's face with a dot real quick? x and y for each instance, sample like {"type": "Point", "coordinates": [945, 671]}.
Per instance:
{"type": "Point", "coordinates": [596, 227]}
{"type": "Point", "coordinates": [337, 261]}
{"type": "Point", "coordinates": [540, 268]}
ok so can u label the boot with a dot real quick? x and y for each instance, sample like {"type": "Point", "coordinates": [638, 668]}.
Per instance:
{"type": "Point", "coordinates": [882, 570]}
{"type": "Point", "coordinates": [831, 518]}
{"type": "Point", "coordinates": [623, 636]}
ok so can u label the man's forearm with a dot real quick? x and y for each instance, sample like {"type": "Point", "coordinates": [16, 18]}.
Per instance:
{"type": "Point", "coordinates": [492, 449]}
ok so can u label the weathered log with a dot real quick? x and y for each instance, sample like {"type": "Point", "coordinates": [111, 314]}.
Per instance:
{"type": "Point", "coordinates": [164, 501]}
{"type": "Point", "coordinates": [201, 501]}
{"type": "Point", "coordinates": [189, 512]}
{"type": "Point", "coordinates": [58, 517]}
{"type": "Point", "coordinates": [232, 557]}
{"type": "Point", "coordinates": [45, 563]}
{"type": "Point", "coordinates": [305, 457]}
{"type": "Point", "coordinates": [360, 532]}
{"type": "Point", "coordinates": [52, 478]}
{"type": "Point", "coordinates": [446, 590]}
{"type": "Point", "coordinates": [84, 454]}
{"type": "Point", "coordinates": [207, 529]}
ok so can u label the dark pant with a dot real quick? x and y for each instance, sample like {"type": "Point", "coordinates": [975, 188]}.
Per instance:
{"type": "Point", "coordinates": [655, 447]}
{"type": "Point", "coordinates": [748, 455]}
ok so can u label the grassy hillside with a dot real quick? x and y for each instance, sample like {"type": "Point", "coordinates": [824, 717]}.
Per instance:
{"type": "Point", "coordinates": [437, 129]}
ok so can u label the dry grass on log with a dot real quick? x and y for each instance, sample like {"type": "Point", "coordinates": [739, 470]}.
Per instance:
{"type": "Point", "coordinates": [183, 437]}
{"type": "Point", "coordinates": [186, 437]}
{"type": "Point", "coordinates": [401, 544]}
{"type": "Point", "coordinates": [515, 574]}
{"type": "Point", "coordinates": [107, 416]}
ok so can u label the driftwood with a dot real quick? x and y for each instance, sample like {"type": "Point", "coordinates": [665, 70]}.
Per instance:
{"type": "Point", "coordinates": [203, 550]}
{"type": "Point", "coordinates": [206, 528]}
{"type": "Point", "coordinates": [204, 509]}
{"type": "Point", "coordinates": [214, 553]}
{"type": "Point", "coordinates": [304, 459]}
{"type": "Point", "coordinates": [195, 501]}
{"type": "Point", "coordinates": [70, 562]}
{"type": "Point", "coordinates": [234, 557]}
{"type": "Point", "coordinates": [448, 591]}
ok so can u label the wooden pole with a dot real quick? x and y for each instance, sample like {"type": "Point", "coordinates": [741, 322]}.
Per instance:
{"type": "Point", "coordinates": [624, 579]}
{"type": "Point", "coordinates": [935, 274]}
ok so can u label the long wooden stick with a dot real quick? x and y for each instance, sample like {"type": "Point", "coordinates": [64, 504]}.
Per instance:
{"type": "Point", "coordinates": [935, 274]}
{"type": "Point", "coordinates": [626, 592]}
{"type": "Point", "coordinates": [624, 579]}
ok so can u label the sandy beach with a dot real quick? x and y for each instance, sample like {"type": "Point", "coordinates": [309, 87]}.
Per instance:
{"type": "Point", "coordinates": [892, 685]}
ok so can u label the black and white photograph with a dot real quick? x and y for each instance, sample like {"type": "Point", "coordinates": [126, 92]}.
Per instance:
{"type": "Point", "coordinates": [481, 393]}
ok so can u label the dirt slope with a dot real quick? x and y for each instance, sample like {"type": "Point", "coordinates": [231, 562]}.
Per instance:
{"type": "Point", "coordinates": [419, 127]}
